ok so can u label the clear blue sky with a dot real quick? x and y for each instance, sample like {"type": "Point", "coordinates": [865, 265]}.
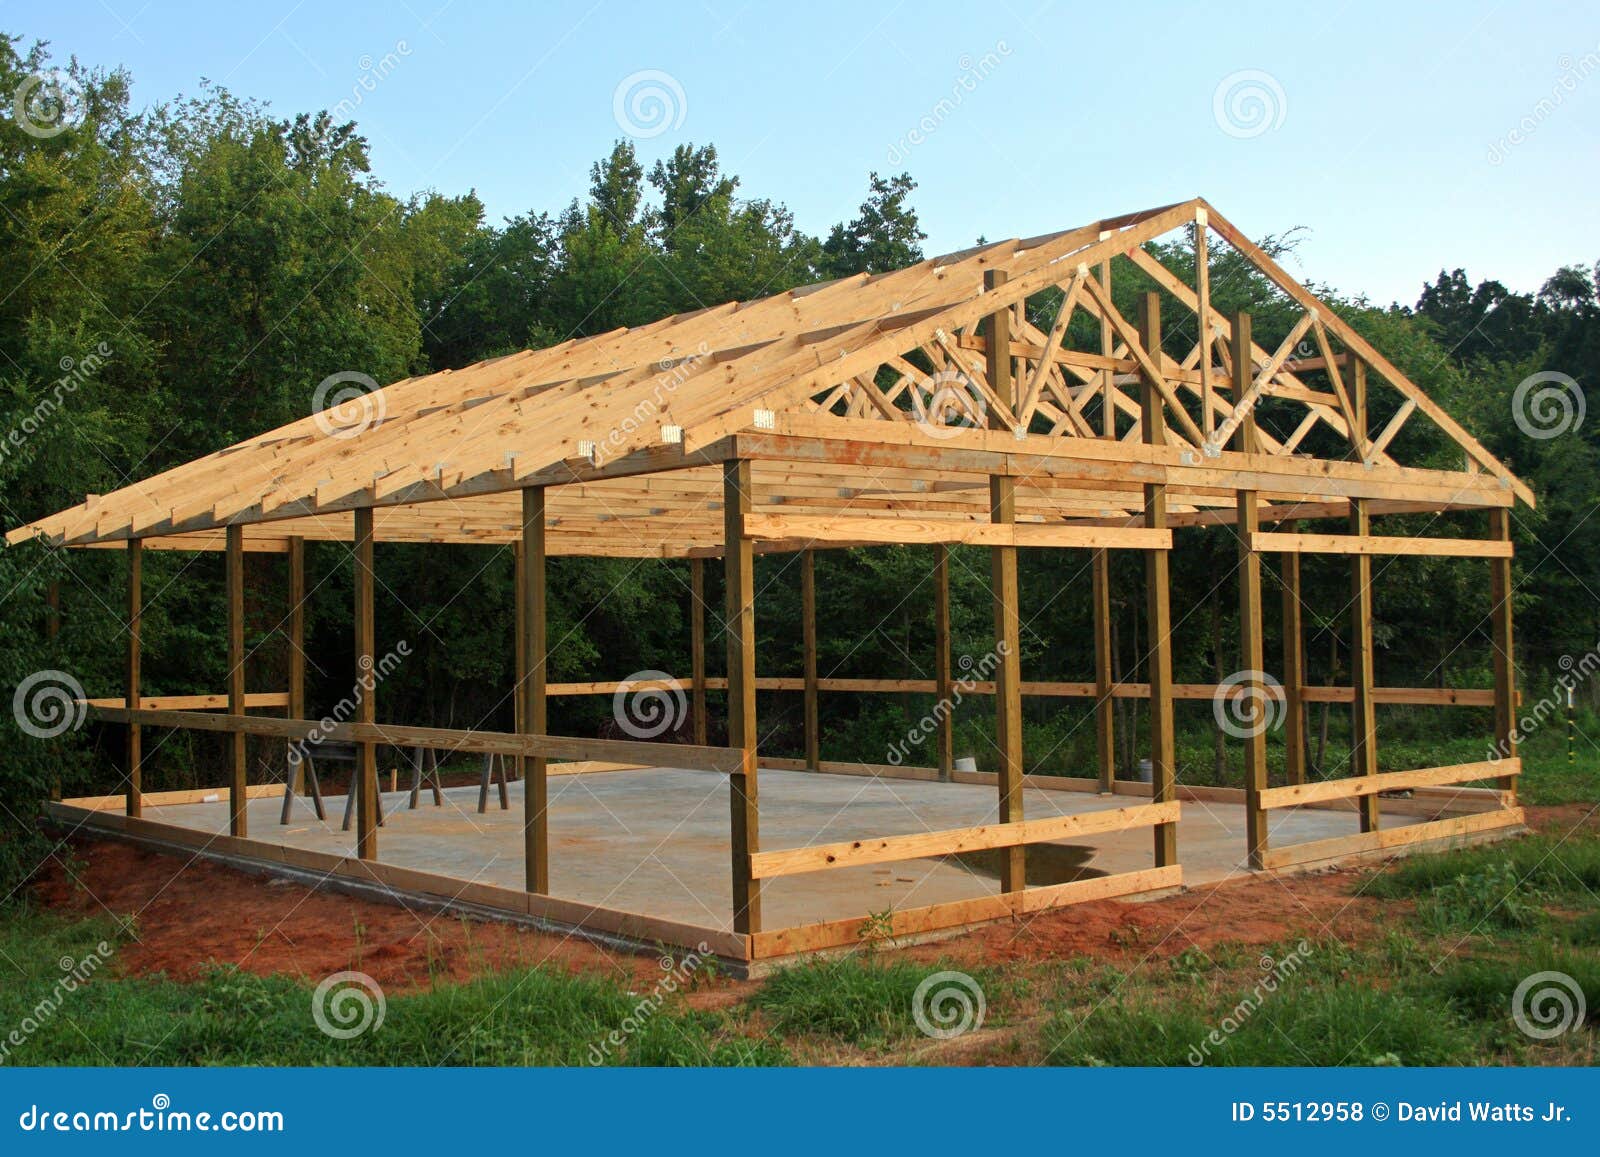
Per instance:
{"type": "Point", "coordinates": [1388, 126]}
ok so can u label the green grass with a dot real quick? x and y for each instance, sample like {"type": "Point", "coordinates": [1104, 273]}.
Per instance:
{"type": "Point", "coordinates": [525, 1017]}
{"type": "Point", "coordinates": [1540, 866]}
{"type": "Point", "coordinates": [865, 1000]}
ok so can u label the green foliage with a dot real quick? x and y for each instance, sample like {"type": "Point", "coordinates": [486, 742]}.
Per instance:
{"type": "Point", "coordinates": [861, 999]}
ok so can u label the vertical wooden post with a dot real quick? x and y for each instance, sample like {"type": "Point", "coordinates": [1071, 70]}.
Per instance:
{"type": "Point", "coordinates": [1202, 292]}
{"type": "Point", "coordinates": [52, 628]}
{"type": "Point", "coordinates": [531, 600]}
{"type": "Point", "coordinates": [808, 617]}
{"type": "Point", "coordinates": [135, 804]}
{"type": "Point", "coordinates": [1008, 678]}
{"type": "Point", "coordinates": [697, 645]}
{"type": "Point", "coordinates": [297, 660]}
{"type": "Point", "coordinates": [1294, 671]}
{"type": "Point", "coordinates": [366, 771]}
{"type": "Point", "coordinates": [1363, 716]}
{"type": "Point", "coordinates": [1105, 728]}
{"type": "Point", "coordinates": [943, 670]}
{"type": "Point", "coordinates": [997, 359]}
{"type": "Point", "coordinates": [238, 795]}
{"type": "Point", "coordinates": [743, 789]}
{"type": "Point", "coordinates": [1505, 668]}
{"type": "Point", "coordinates": [1252, 656]}
{"type": "Point", "coordinates": [1108, 387]}
{"type": "Point", "coordinates": [1158, 597]}
{"type": "Point", "coordinates": [519, 626]}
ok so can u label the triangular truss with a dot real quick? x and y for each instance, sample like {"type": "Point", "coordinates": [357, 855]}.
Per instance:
{"type": "Point", "coordinates": [629, 427]}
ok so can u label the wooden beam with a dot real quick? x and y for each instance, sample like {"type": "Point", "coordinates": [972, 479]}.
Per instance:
{"type": "Point", "coordinates": [955, 841]}
{"type": "Point", "coordinates": [743, 789]}
{"type": "Point", "coordinates": [366, 770]}
{"type": "Point", "coordinates": [852, 530]}
{"type": "Point", "coordinates": [1294, 672]}
{"type": "Point", "coordinates": [296, 640]}
{"type": "Point", "coordinates": [697, 645]}
{"type": "Point", "coordinates": [944, 674]}
{"type": "Point", "coordinates": [1363, 719]}
{"type": "Point", "coordinates": [1253, 661]}
{"type": "Point", "coordinates": [1158, 596]}
{"type": "Point", "coordinates": [1295, 795]}
{"type": "Point", "coordinates": [1202, 293]}
{"type": "Point", "coordinates": [1501, 589]}
{"type": "Point", "coordinates": [808, 622]}
{"type": "Point", "coordinates": [1381, 544]}
{"type": "Point", "coordinates": [1340, 847]}
{"type": "Point", "coordinates": [135, 753]}
{"type": "Point", "coordinates": [532, 599]}
{"type": "Point", "coordinates": [997, 367]}
{"type": "Point", "coordinates": [238, 768]}
{"type": "Point", "coordinates": [1008, 678]}
{"type": "Point", "coordinates": [1105, 708]}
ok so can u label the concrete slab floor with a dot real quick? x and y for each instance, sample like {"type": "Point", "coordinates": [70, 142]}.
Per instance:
{"type": "Point", "coordinates": [655, 841]}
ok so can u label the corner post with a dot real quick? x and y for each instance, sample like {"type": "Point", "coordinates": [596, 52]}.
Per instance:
{"type": "Point", "coordinates": [743, 796]}
{"type": "Point", "coordinates": [1505, 668]}
{"type": "Point", "coordinates": [1158, 596]}
{"type": "Point", "coordinates": [135, 804]}
{"type": "Point", "coordinates": [808, 623]}
{"type": "Point", "coordinates": [297, 654]}
{"type": "Point", "coordinates": [943, 671]}
{"type": "Point", "coordinates": [238, 794]}
{"type": "Point", "coordinates": [1294, 671]}
{"type": "Point", "coordinates": [697, 645]}
{"type": "Point", "coordinates": [533, 648]}
{"type": "Point", "coordinates": [1363, 716]}
{"type": "Point", "coordinates": [366, 772]}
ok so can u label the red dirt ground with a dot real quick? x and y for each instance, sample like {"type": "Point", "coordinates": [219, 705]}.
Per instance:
{"type": "Point", "coordinates": [194, 913]}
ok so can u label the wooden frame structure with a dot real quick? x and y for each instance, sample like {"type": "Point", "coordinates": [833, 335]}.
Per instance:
{"type": "Point", "coordinates": [922, 406]}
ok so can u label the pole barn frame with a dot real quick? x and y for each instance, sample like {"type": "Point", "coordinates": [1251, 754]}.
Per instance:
{"type": "Point", "coordinates": [918, 407]}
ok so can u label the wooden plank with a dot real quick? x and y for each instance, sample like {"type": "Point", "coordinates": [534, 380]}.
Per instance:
{"type": "Point", "coordinates": [1252, 659]}
{"type": "Point", "coordinates": [1158, 599]}
{"type": "Point", "coordinates": [1008, 678]}
{"type": "Point", "coordinates": [238, 767]}
{"type": "Point", "coordinates": [697, 645]}
{"type": "Point", "coordinates": [1363, 719]}
{"type": "Point", "coordinates": [295, 641]}
{"type": "Point", "coordinates": [845, 529]}
{"type": "Point", "coordinates": [1202, 293]}
{"type": "Point", "coordinates": [1340, 847]}
{"type": "Point", "coordinates": [743, 787]}
{"type": "Point", "coordinates": [944, 674]}
{"type": "Point", "coordinates": [366, 773]}
{"type": "Point", "coordinates": [808, 626]}
{"type": "Point", "coordinates": [534, 646]}
{"type": "Point", "coordinates": [1105, 707]}
{"type": "Point", "coordinates": [1380, 544]}
{"type": "Point", "coordinates": [922, 845]}
{"type": "Point", "coordinates": [1294, 673]}
{"type": "Point", "coordinates": [135, 738]}
{"type": "Point", "coordinates": [1501, 589]}
{"type": "Point", "coordinates": [1350, 788]}
{"type": "Point", "coordinates": [195, 702]}
{"type": "Point", "coordinates": [956, 913]}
